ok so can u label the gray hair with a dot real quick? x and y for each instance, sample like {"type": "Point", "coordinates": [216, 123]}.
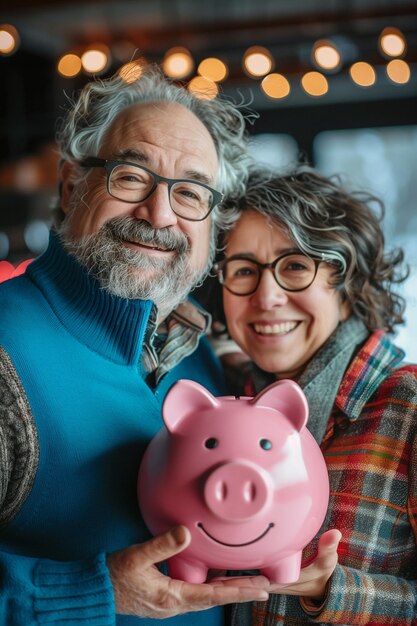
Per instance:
{"type": "Point", "coordinates": [82, 130]}
{"type": "Point", "coordinates": [323, 218]}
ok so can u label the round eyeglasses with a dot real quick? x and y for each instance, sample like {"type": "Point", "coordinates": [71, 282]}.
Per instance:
{"type": "Point", "coordinates": [293, 271]}
{"type": "Point", "coordinates": [130, 182]}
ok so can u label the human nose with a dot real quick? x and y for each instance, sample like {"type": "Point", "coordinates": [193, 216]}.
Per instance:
{"type": "Point", "coordinates": [268, 294]}
{"type": "Point", "coordinates": [156, 208]}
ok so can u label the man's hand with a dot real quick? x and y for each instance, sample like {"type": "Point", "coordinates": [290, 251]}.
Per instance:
{"type": "Point", "coordinates": [314, 577]}
{"type": "Point", "coordinates": [141, 589]}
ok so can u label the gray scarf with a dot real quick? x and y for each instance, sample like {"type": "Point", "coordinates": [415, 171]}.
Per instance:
{"type": "Point", "coordinates": [320, 382]}
{"type": "Point", "coordinates": [321, 379]}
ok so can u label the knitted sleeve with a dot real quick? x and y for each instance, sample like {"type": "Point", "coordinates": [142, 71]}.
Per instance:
{"type": "Point", "coordinates": [19, 452]}
{"type": "Point", "coordinates": [38, 591]}
{"type": "Point", "coordinates": [358, 598]}
{"type": "Point", "coordinates": [41, 591]}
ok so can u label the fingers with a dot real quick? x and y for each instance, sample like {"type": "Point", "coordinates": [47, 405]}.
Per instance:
{"type": "Point", "coordinates": [260, 582]}
{"type": "Point", "coordinates": [233, 595]}
{"type": "Point", "coordinates": [330, 538]}
{"type": "Point", "coordinates": [141, 589]}
{"type": "Point", "coordinates": [164, 546]}
{"type": "Point", "coordinates": [220, 592]}
{"type": "Point", "coordinates": [327, 549]}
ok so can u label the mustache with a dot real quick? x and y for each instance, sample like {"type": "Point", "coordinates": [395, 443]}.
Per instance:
{"type": "Point", "coordinates": [139, 231]}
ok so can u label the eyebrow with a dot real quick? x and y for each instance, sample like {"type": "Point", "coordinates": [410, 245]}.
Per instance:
{"type": "Point", "coordinates": [252, 257]}
{"type": "Point", "coordinates": [141, 157]}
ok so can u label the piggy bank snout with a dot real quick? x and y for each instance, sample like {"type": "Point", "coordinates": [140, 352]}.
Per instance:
{"type": "Point", "coordinates": [237, 491]}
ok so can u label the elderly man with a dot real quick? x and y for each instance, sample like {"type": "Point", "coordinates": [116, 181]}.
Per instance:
{"type": "Point", "coordinates": [91, 339]}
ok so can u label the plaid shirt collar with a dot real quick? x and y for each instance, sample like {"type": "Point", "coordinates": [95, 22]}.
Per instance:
{"type": "Point", "coordinates": [373, 363]}
{"type": "Point", "coordinates": [165, 347]}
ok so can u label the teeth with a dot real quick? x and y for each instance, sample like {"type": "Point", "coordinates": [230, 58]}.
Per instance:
{"type": "Point", "coordinates": [146, 245]}
{"type": "Point", "coordinates": [274, 329]}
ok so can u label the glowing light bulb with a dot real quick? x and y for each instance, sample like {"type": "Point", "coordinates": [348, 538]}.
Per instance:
{"type": "Point", "coordinates": [213, 68]}
{"type": "Point", "coordinates": [130, 72]}
{"type": "Point", "coordinates": [275, 86]}
{"type": "Point", "coordinates": [9, 39]}
{"type": "Point", "coordinates": [326, 55]}
{"type": "Point", "coordinates": [257, 61]}
{"type": "Point", "coordinates": [392, 42]}
{"type": "Point", "coordinates": [69, 65]}
{"type": "Point", "coordinates": [363, 74]}
{"type": "Point", "coordinates": [95, 60]}
{"type": "Point", "coordinates": [177, 63]}
{"type": "Point", "coordinates": [315, 84]}
{"type": "Point", "coordinates": [203, 88]}
{"type": "Point", "coordinates": [399, 71]}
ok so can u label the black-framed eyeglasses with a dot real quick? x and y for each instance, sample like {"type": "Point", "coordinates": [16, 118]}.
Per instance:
{"type": "Point", "coordinates": [293, 271]}
{"type": "Point", "coordinates": [130, 182]}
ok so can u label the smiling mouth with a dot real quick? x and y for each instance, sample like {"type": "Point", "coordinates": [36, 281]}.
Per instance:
{"type": "Point", "coordinates": [142, 244]}
{"type": "Point", "coordinates": [282, 328]}
{"type": "Point", "coordinates": [236, 545]}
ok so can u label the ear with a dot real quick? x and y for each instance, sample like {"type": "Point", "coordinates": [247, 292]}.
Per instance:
{"type": "Point", "coordinates": [66, 185]}
{"type": "Point", "coordinates": [286, 397]}
{"type": "Point", "coordinates": [345, 310]}
{"type": "Point", "coordinates": [185, 397]}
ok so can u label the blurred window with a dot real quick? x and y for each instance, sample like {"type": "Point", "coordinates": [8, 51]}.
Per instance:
{"type": "Point", "coordinates": [383, 161]}
{"type": "Point", "coordinates": [278, 151]}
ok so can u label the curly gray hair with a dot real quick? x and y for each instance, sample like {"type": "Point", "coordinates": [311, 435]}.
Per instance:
{"type": "Point", "coordinates": [322, 217]}
{"type": "Point", "coordinates": [82, 130]}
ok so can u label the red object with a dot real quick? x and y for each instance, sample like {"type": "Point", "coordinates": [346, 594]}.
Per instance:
{"type": "Point", "coordinates": [7, 270]}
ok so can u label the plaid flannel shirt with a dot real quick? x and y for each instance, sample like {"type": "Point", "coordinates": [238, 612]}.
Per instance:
{"type": "Point", "coordinates": [370, 449]}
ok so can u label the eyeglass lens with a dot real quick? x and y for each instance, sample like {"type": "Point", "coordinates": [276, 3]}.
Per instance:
{"type": "Point", "coordinates": [133, 184]}
{"type": "Point", "coordinates": [293, 272]}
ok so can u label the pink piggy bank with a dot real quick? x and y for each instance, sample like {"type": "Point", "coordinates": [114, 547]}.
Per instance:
{"type": "Point", "coordinates": [243, 474]}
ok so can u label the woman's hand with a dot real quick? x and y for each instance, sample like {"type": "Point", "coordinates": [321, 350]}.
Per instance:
{"type": "Point", "coordinates": [314, 577]}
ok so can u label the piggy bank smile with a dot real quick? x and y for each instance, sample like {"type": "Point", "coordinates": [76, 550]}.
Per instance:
{"type": "Point", "coordinates": [235, 545]}
{"type": "Point", "coordinates": [235, 471]}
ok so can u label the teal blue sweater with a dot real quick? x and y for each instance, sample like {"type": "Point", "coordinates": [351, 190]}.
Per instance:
{"type": "Point", "coordinates": [77, 352]}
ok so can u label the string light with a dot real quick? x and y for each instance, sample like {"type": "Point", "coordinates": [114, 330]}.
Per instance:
{"type": "Point", "coordinates": [275, 86]}
{"type": "Point", "coordinates": [203, 88]}
{"type": "Point", "coordinates": [392, 42]}
{"type": "Point", "coordinates": [9, 39]}
{"type": "Point", "coordinates": [130, 72]}
{"type": "Point", "coordinates": [69, 65]}
{"type": "Point", "coordinates": [257, 61]}
{"type": "Point", "coordinates": [363, 74]}
{"type": "Point", "coordinates": [96, 59]}
{"type": "Point", "coordinates": [315, 84]}
{"type": "Point", "coordinates": [398, 71]}
{"type": "Point", "coordinates": [213, 68]}
{"type": "Point", "coordinates": [326, 55]}
{"type": "Point", "coordinates": [177, 63]}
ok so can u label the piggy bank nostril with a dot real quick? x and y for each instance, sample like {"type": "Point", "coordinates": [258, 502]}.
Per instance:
{"type": "Point", "coordinates": [249, 491]}
{"type": "Point", "coordinates": [221, 491]}
{"type": "Point", "coordinates": [237, 491]}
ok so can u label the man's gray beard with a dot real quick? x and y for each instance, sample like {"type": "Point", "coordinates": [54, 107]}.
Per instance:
{"type": "Point", "coordinates": [129, 274]}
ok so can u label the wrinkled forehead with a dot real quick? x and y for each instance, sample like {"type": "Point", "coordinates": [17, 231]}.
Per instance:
{"type": "Point", "coordinates": [163, 126]}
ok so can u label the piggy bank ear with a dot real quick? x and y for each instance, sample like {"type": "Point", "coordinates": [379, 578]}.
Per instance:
{"type": "Point", "coordinates": [185, 397]}
{"type": "Point", "coordinates": [288, 398]}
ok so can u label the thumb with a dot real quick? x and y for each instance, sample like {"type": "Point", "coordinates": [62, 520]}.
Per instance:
{"type": "Point", "coordinates": [164, 546]}
{"type": "Point", "coordinates": [327, 550]}
{"type": "Point", "coordinates": [330, 540]}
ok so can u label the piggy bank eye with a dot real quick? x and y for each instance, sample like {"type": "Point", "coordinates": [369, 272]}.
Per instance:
{"type": "Point", "coordinates": [211, 443]}
{"type": "Point", "coordinates": [265, 444]}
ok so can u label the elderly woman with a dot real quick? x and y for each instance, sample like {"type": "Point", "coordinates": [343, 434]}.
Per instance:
{"type": "Point", "coordinates": [307, 295]}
